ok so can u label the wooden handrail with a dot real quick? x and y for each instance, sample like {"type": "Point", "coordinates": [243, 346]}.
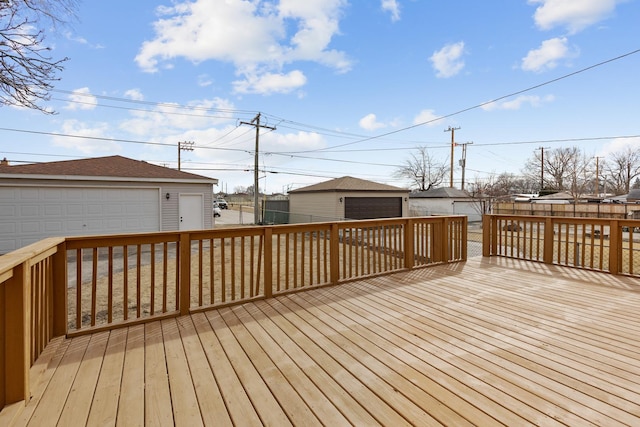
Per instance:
{"type": "Point", "coordinates": [593, 243]}
{"type": "Point", "coordinates": [75, 285]}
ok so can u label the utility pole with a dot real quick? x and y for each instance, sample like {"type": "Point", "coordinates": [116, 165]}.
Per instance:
{"type": "Point", "coordinates": [184, 146]}
{"type": "Point", "coordinates": [256, 196]}
{"type": "Point", "coordinates": [542, 167]}
{"type": "Point", "coordinates": [453, 144]}
{"type": "Point", "coordinates": [597, 186]}
{"type": "Point", "coordinates": [463, 160]}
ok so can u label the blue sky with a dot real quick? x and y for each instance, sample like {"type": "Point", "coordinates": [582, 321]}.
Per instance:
{"type": "Point", "coordinates": [352, 87]}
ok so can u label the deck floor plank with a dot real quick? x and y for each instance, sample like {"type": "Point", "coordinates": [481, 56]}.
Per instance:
{"type": "Point", "coordinates": [289, 400]}
{"type": "Point", "coordinates": [105, 400]}
{"type": "Point", "coordinates": [394, 369]}
{"type": "Point", "coordinates": [393, 409]}
{"type": "Point", "coordinates": [486, 342]}
{"type": "Point", "coordinates": [530, 337]}
{"type": "Point", "coordinates": [186, 410]}
{"type": "Point", "coordinates": [238, 404]}
{"type": "Point", "coordinates": [132, 389]}
{"type": "Point", "coordinates": [210, 400]}
{"type": "Point", "coordinates": [299, 382]}
{"type": "Point", "coordinates": [81, 396]}
{"type": "Point", "coordinates": [158, 410]}
{"type": "Point", "coordinates": [265, 404]}
{"type": "Point", "coordinates": [50, 406]}
{"type": "Point", "coordinates": [456, 402]}
{"type": "Point", "coordinates": [300, 349]}
{"type": "Point", "coordinates": [424, 341]}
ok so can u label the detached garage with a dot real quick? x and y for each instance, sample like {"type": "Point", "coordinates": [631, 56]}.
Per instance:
{"type": "Point", "coordinates": [347, 198]}
{"type": "Point", "coordinates": [106, 195]}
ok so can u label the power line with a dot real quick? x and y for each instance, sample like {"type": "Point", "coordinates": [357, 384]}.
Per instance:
{"type": "Point", "coordinates": [500, 98]}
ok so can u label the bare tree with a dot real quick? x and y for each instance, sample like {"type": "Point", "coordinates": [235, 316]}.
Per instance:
{"type": "Point", "coordinates": [27, 71]}
{"type": "Point", "coordinates": [558, 167]}
{"type": "Point", "coordinates": [580, 174]}
{"type": "Point", "coordinates": [423, 170]}
{"type": "Point", "coordinates": [620, 169]}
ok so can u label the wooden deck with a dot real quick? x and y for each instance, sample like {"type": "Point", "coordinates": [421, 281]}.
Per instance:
{"type": "Point", "coordinates": [486, 342]}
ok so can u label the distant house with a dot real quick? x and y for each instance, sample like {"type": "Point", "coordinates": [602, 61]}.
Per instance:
{"type": "Point", "coordinates": [103, 195]}
{"type": "Point", "coordinates": [347, 198]}
{"type": "Point", "coordinates": [444, 201]}
{"type": "Point", "coordinates": [633, 196]}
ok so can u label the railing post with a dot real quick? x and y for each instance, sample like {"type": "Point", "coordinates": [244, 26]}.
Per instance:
{"type": "Point", "coordinates": [408, 244]}
{"type": "Point", "coordinates": [334, 255]}
{"type": "Point", "coordinates": [615, 254]}
{"type": "Point", "coordinates": [17, 312]}
{"type": "Point", "coordinates": [464, 237]}
{"type": "Point", "coordinates": [487, 221]}
{"type": "Point", "coordinates": [185, 273]}
{"type": "Point", "coordinates": [60, 308]}
{"type": "Point", "coordinates": [268, 262]}
{"type": "Point", "coordinates": [447, 247]}
{"type": "Point", "coordinates": [548, 241]}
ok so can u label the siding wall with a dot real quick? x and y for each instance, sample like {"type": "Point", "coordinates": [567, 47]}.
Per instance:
{"type": "Point", "coordinates": [168, 208]}
{"type": "Point", "coordinates": [326, 206]}
{"type": "Point", "coordinates": [428, 207]}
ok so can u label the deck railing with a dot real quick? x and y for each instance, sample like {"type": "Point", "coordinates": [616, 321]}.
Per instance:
{"type": "Point", "coordinates": [608, 245]}
{"type": "Point", "coordinates": [70, 286]}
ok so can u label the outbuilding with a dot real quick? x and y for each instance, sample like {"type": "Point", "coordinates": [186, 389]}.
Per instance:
{"type": "Point", "coordinates": [445, 201]}
{"type": "Point", "coordinates": [103, 195]}
{"type": "Point", "coordinates": [347, 198]}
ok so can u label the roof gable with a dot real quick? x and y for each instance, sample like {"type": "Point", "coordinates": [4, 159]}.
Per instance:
{"type": "Point", "coordinates": [348, 183]}
{"type": "Point", "coordinates": [111, 166]}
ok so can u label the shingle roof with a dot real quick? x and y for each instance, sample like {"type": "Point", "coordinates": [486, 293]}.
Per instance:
{"type": "Point", "coordinates": [440, 193]}
{"type": "Point", "coordinates": [111, 166]}
{"type": "Point", "coordinates": [348, 183]}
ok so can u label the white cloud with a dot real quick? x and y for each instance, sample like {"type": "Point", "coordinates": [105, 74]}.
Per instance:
{"type": "Point", "coordinates": [370, 122]}
{"type": "Point", "coordinates": [426, 117]}
{"type": "Point", "coordinates": [204, 80]}
{"type": "Point", "coordinates": [81, 99]}
{"type": "Point", "coordinates": [268, 83]}
{"type": "Point", "coordinates": [300, 141]}
{"type": "Point", "coordinates": [393, 8]}
{"type": "Point", "coordinates": [86, 146]}
{"type": "Point", "coordinates": [618, 145]}
{"type": "Point", "coordinates": [447, 61]}
{"type": "Point", "coordinates": [546, 57]}
{"type": "Point", "coordinates": [251, 35]}
{"type": "Point", "coordinates": [574, 15]}
{"type": "Point", "coordinates": [519, 102]}
{"type": "Point", "coordinates": [169, 119]}
{"type": "Point", "coordinates": [134, 94]}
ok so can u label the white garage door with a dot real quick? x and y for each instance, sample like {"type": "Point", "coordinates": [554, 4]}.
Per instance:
{"type": "Point", "coordinates": [29, 214]}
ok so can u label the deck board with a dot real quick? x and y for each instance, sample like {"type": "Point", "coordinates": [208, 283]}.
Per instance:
{"type": "Point", "coordinates": [486, 342]}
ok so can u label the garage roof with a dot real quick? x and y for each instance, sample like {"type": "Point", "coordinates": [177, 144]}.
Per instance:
{"type": "Point", "coordinates": [103, 167]}
{"type": "Point", "coordinates": [348, 183]}
{"type": "Point", "coordinates": [440, 193]}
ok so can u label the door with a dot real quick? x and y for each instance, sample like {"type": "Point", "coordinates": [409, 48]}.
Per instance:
{"type": "Point", "coordinates": [191, 212]}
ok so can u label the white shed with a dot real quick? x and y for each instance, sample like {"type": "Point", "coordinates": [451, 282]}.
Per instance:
{"type": "Point", "coordinates": [347, 198]}
{"type": "Point", "coordinates": [445, 201]}
{"type": "Point", "coordinates": [104, 195]}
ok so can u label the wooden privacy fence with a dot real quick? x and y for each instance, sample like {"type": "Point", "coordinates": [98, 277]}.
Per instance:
{"type": "Point", "coordinates": [608, 245]}
{"type": "Point", "coordinates": [76, 285]}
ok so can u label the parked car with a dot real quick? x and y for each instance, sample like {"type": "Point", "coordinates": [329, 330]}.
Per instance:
{"type": "Point", "coordinates": [222, 203]}
{"type": "Point", "coordinates": [216, 210]}
{"type": "Point", "coordinates": [512, 227]}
